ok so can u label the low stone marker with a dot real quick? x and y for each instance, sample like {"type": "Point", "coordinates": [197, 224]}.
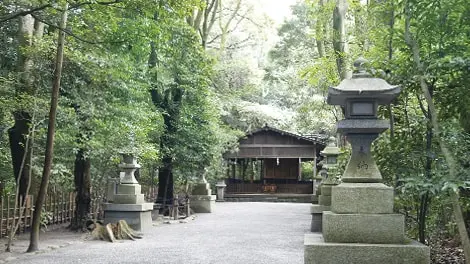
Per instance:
{"type": "Point", "coordinates": [220, 190]}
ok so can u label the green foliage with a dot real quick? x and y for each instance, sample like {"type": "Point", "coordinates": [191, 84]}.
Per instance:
{"type": "Point", "coordinates": [105, 105]}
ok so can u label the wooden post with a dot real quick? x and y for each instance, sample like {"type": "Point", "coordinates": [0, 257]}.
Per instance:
{"type": "Point", "coordinates": [32, 207]}
{"type": "Point", "coordinates": [63, 206]}
{"type": "Point", "coordinates": [67, 208]}
{"type": "Point", "coordinates": [175, 208]}
{"type": "Point", "coordinates": [57, 207]}
{"type": "Point", "coordinates": [314, 180]}
{"type": "Point", "coordinates": [1, 216]}
{"type": "Point", "coordinates": [70, 206]}
{"type": "Point", "coordinates": [27, 212]}
{"type": "Point", "coordinates": [188, 207]}
{"type": "Point", "coordinates": [8, 213]}
{"type": "Point", "coordinates": [97, 206]}
{"type": "Point", "coordinates": [54, 208]}
{"type": "Point", "coordinates": [251, 171]}
{"type": "Point", "coordinates": [20, 215]}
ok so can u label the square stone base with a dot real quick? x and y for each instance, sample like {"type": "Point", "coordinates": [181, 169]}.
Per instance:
{"type": "Point", "coordinates": [317, 251]}
{"type": "Point", "coordinates": [129, 198]}
{"type": "Point", "coordinates": [357, 198]}
{"type": "Point", "coordinates": [137, 216]}
{"type": "Point", "coordinates": [202, 203]}
{"type": "Point", "coordinates": [364, 228]}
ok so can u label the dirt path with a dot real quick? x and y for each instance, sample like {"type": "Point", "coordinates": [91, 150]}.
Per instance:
{"type": "Point", "coordinates": [235, 233]}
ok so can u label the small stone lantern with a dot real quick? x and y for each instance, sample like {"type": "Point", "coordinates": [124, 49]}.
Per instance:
{"type": "Point", "coordinates": [128, 202]}
{"type": "Point", "coordinates": [330, 154]}
{"type": "Point", "coordinates": [361, 226]}
{"type": "Point", "coordinates": [328, 172]}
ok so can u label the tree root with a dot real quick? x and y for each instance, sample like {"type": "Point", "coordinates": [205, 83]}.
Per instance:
{"type": "Point", "coordinates": [113, 232]}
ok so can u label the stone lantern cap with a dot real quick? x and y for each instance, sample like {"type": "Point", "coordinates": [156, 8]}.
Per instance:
{"type": "Point", "coordinates": [362, 86]}
{"type": "Point", "coordinates": [331, 149]}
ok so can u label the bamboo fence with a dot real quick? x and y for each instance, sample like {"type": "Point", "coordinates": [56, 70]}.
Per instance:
{"type": "Point", "coordinates": [58, 208]}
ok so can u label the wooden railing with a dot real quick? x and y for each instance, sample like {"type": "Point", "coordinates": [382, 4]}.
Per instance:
{"type": "Point", "coordinates": [150, 193]}
{"type": "Point", "coordinates": [58, 208]}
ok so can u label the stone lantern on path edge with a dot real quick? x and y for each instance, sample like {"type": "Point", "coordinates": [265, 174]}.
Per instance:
{"type": "Point", "coordinates": [361, 227]}
{"type": "Point", "coordinates": [128, 202]}
{"type": "Point", "coordinates": [329, 168]}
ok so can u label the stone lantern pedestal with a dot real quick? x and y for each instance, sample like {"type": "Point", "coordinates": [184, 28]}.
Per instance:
{"type": "Point", "coordinates": [330, 154]}
{"type": "Point", "coordinates": [361, 227]}
{"type": "Point", "coordinates": [128, 202]}
{"type": "Point", "coordinates": [202, 200]}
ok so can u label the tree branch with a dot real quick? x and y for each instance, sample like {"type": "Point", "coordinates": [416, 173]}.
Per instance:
{"type": "Point", "coordinates": [24, 13]}
{"type": "Point", "coordinates": [70, 33]}
{"type": "Point", "coordinates": [42, 7]}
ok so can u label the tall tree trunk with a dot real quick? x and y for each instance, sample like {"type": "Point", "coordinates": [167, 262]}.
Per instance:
{"type": "Point", "coordinates": [82, 179]}
{"type": "Point", "coordinates": [165, 183]}
{"type": "Point", "coordinates": [20, 150]}
{"type": "Point", "coordinates": [34, 238]}
{"type": "Point", "coordinates": [22, 119]}
{"type": "Point", "coordinates": [82, 176]}
{"type": "Point", "coordinates": [452, 164]}
{"type": "Point", "coordinates": [340, 39]}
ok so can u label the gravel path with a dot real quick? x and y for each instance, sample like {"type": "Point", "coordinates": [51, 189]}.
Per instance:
{"type": "Point", "coordinates": [235, 233]}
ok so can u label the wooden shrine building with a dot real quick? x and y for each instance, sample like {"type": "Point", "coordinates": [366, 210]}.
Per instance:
{"type": "Point", "coordinates": [269, 160]}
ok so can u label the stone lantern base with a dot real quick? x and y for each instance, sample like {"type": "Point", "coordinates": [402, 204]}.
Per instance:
{"type": "Point", "coordinates": [324, 204]}
{"type": "Point", "coordinates": [202, 200]}
{"type": "Point", "coordinates": [137, 216]}
{"type": "Point", "coordinates": [203, 203]}
{"type": "Point", "coordinates": [128, 204]}
{"type": "Point", "coordinates": [362, 228]}
{"type": "Point", "coordinates": [317, 251]}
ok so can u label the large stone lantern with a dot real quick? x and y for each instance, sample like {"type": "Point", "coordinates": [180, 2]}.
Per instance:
{"type": "Point", "coordinates": [361, 227]}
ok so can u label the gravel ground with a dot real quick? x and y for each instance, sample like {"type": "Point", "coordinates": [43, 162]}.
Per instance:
{"type": "Point", "coordinates": [235, 233]}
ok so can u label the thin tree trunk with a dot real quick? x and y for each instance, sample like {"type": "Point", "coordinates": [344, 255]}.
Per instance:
{"type": "Point", "coordinates": [425, 199]}
{"type": "Point", "coordinates": [34, 238]}
{"type": "Point", "coordinates": [320, 32]}
{"type": "Point", "coordinates": [20, 201]}
{"type": "Point", "coordinates": [454, 195]}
